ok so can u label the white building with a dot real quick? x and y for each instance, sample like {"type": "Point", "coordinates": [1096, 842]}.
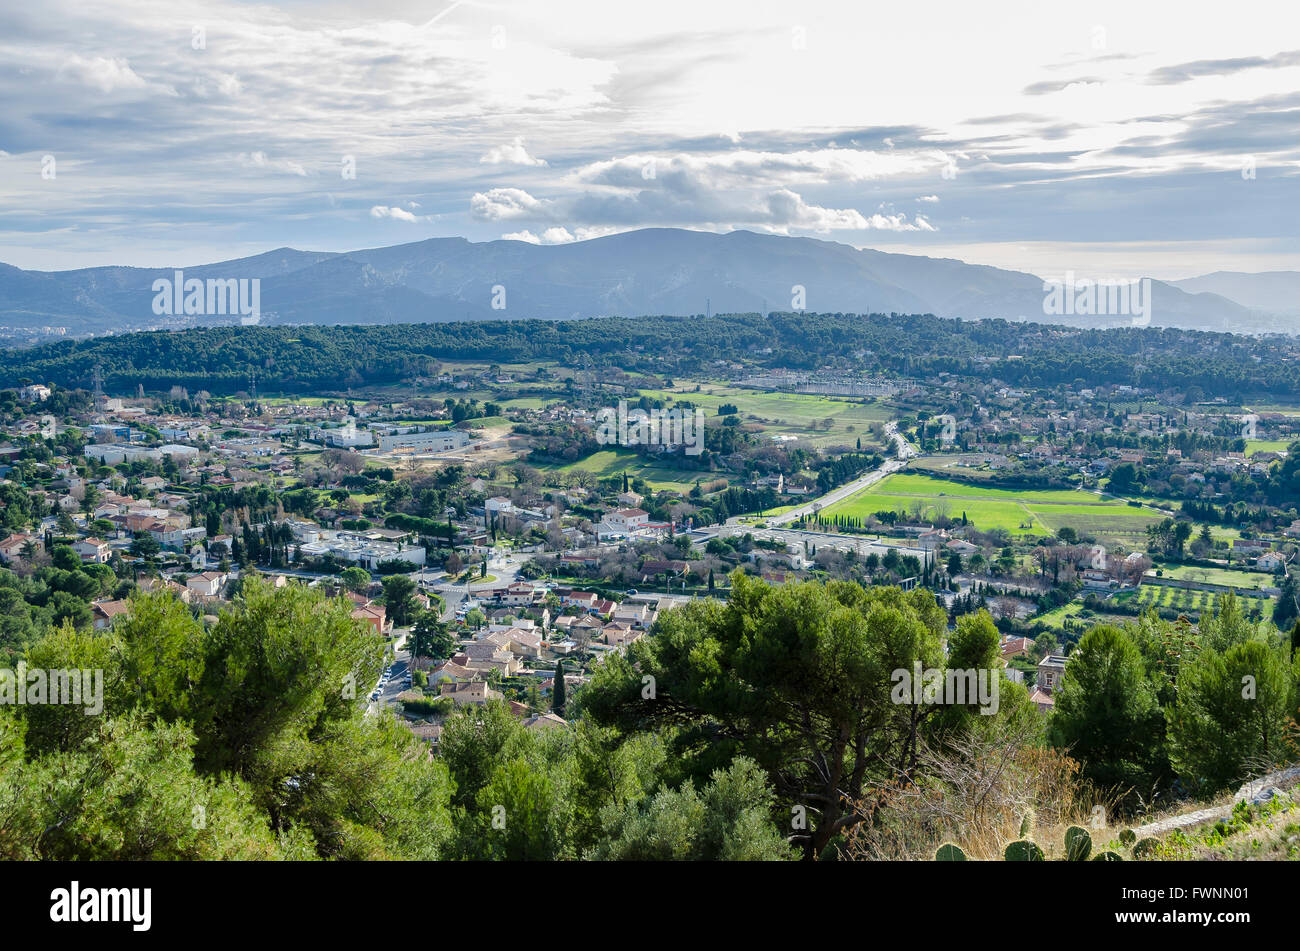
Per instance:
{"type": "Point", "coordinates": [112, 453]}
{"type": "Point", "coordinates": [349, 436]}
{"type": "Point", "coordinates": [436, 441]}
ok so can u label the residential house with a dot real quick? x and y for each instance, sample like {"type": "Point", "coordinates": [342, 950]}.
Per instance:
{"type": "Point", "coordinates": [208, 584]}
{"type": "Point", "coordinates": [103, 613]}
{"type": "Point", "coordinates": [92, 551]}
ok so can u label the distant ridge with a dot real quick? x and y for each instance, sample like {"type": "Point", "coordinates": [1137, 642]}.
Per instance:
{"type": "Point", "coordinates": [652, 271]}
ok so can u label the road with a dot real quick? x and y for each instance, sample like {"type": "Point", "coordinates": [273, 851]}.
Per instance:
{"type": "Point", "coordinates": [904, 452]}
{"type": "Point", "coordinates": [400, 665]}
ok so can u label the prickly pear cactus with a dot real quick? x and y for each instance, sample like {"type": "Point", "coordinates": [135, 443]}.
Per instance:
{"type": "Point", "coordinates": [1022, 850]}
{"type": "Point", "coordinates": [1146, 848]}
{"type": "Point", "coordinates": [1078, 844]}
{"type": "Point", "coordinates": [949, 853]}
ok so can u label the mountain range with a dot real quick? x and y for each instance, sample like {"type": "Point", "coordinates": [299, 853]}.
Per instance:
{"type": "Point", "coordinates": [652, 271]}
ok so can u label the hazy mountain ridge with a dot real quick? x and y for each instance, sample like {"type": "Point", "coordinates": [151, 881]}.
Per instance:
{"type": "Point", "coordinates": [650, 271]}
{"type": "Point", "coordinates": [1276, 292]}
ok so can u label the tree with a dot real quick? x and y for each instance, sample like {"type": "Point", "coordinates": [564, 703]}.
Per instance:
{"type": "Point", "coordinates": [558, 691]}
{"type": "Point", "coordinates": [1287, 609]}
{"type": "Point", "coordinates": [1044, 644]}
{"type": "Point", "coordinates": [399, 599]}
{"type": "Point", "coordinates": [430, 637]}
{"type": "Point", "coordinates": [355, 579]}
{"type": "Point", "coordinates": [1123, 478]}
{"type": "Point", "coordinates": [726, 821]}
{"type": "Point", "coordinates": [798, 678]}
{"type": "Point", "coordinates": [145, 546]}
{"type": "Point", "coordinates": [1105, 714]}
{"type": "Point", "coordinates": [254, 726]}
{"type": "Point", "coordinates": [1231, 716]}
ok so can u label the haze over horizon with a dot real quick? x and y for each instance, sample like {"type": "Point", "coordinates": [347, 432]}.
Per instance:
{"type": "Point", "coordinates": [1110, 141]}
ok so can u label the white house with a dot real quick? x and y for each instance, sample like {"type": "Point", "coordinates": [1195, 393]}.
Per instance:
{"type": "Point", "coordinates": [208, 584]}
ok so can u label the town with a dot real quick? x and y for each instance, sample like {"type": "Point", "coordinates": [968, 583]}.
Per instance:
{"type": "Point", "coordinates": [477, 525]}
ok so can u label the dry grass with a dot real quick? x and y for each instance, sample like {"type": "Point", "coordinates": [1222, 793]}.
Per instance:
{"type": "Point", "coordinates": [978, 791]}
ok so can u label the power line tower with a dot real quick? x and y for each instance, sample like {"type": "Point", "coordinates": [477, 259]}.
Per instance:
{"type": "Point", "coordinates": [97, 381]}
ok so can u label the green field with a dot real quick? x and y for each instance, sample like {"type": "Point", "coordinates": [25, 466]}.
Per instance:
{"type": "Point", "coordinates": [798, 414]}
{"type": "Point", "coordinates": [609, 462]}
{"type": "Point", "coordinates": [1073, 612]}
{"type": "Point", "coordinates": [1241, 580]}
{"type": "Point", "coordinates": [1018, 512]}
{"type": "Point", "coordinates": [1267, 445]}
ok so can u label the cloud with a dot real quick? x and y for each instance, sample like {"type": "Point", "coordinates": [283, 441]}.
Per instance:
{"type": "Point", "coordinates": [1056, 85]}
{"type": "Point", "coordinates": [398, 214]}
{"type": "Point", "coordinates": [554, 235]}
{"type": "Point", "coordinates": [513, 154]}
{"type": "Point", "coordinates": [503, 204]}
{"type": "Point", "coordinates": [260, 160]}
{"type": "Point", "coordinates": [929, 198]}
{"type": "Point", "coordinates": [107, 74]}
{"type": "Point", "coordinates": [742, 167]}
{"type": "Point", "coordinates": [1183, 72]}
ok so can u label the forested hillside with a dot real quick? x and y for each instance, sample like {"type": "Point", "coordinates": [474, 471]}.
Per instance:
{"type": "Point", "coordinates": [302, 359]}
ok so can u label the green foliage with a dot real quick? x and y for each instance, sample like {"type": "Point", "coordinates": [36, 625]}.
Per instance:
{"type": "Point", "coordinates": [1108, 856]}
{"type": "Point", "coordinates": [559, 689]}
{"type": "Point", "coordinates": [949, 853]}
{"type": "Point", "coordinates": [745, 678]}
{"type": "Point", "coordinates": [355, 578]}
{"type": "Point", "coordinates": [399, 599]}
{"type": "Point", "coordinates": [1106, 713]}
{"type": "Point", "coordinates": [726, 821]}
{"type": "Point", "coordinates": [1231, 714]}
{"type": "Point", "coordinates": [1127, 838]}
{"type": "Point", "coordinates": [245, 741]}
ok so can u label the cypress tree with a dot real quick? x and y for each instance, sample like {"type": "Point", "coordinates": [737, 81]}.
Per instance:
{"type": "Point", "coordinates": [557, 692]}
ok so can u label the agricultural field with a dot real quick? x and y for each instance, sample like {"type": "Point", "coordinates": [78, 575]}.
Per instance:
{"type": "Point", "coordinates": [796, 414]}
{"type": "Point", "coordinates": [1075, 613]}
{"type": "Point", "coordinates": [1241, 580]}
{"type": "Point", "coordinates": [1015, 511]}
{"type": "Point", "coordinates": [1196, 602]}
{"type": "Point", "coordinates": [610, 462]}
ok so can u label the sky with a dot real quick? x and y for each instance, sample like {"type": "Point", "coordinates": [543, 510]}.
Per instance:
{"type": "Point", "coordinates": [1111, 139]}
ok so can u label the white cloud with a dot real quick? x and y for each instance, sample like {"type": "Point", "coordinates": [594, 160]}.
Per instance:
{"type": "Point", "coordinates": [398, 214]}
{"type": "Point", "coordinates": [556, 235]}
{"type": "Point", "coordinates": [107, 74]}
{"type": "Point", "coordinates": [745, 167]}
{"type": "Point", "coordinates": [502, 204]}
{"type": "Point", "coordinates": [261, 160]}
{"type": "Point", "coordinates": [929, 198]}
{"type": "Point", "coordinates": [789, 210]}
{"type": "Point", "coordinates": [513, 154]}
